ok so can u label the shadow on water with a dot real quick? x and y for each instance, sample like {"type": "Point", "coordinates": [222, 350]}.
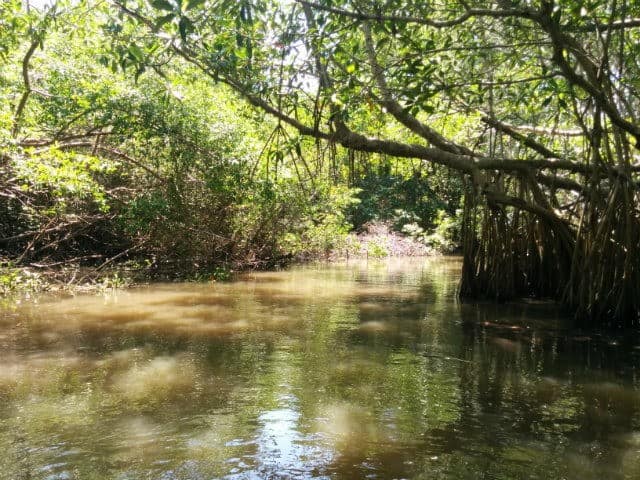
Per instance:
{"type": "Point", "coordinates": [343, 371]}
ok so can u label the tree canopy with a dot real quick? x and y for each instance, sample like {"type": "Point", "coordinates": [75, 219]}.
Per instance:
{"type": "Point", "coordinates": [532, 103]}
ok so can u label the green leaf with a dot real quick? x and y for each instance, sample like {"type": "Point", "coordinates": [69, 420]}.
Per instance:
{"type": "Point", "coordinates": [139, 71]}
{"type": "Point", "coordinates": [160, 22]}
{"type": "Point", "coordinates": [193, 4]}
{"type": "Point", "coordinates": [163, 5]}
{"type": "Point", "coordinates": [351, 68]}
{"type": "Point", "coordinates": [384, 41]}
{"type": "Point", "coordinates": [136, 52]}
{"type": "Point", "coordinates": [185, 27]}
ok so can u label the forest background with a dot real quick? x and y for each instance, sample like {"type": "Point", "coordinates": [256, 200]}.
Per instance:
{"type": "Point", "coordinates": [194, 137]}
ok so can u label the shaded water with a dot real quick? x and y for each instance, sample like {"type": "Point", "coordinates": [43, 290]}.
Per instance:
{"type": "Point", "coordinates": [346, 371]}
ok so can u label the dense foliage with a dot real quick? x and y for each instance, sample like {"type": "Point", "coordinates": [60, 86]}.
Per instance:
{"type": "Point", "coordinates": [534, 102]}
{"type": "Point", "coordinates": [527, 108]}
{"type": "Point", "coordinates": [165, 169]}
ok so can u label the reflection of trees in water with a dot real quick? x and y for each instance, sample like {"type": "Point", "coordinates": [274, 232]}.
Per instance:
{"type": "Point", "coordinates": [541, 400]}
{"type": "Point", "coordinates": [386, 382]}
{"type": "Point", "coordinates": [531, 398]}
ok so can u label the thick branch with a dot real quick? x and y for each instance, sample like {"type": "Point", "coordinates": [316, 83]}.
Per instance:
{"type": "Point", "coordinates": [17, 116]}
{"type": "Point", "coordinates": [362, 143]}
{"type": "Point", "coordinates": [395, 109]}
{"type": "Point", "coordinates": [623, 24]}
{"type": "Point", "coordinates": [256, 101]}
{"type": "Point", "coordinates": [560, 226]}
{"type": "Point", "coordinates": [469, 13]}
{"type": "Point", "coordinates": [45, 142]}
{"type": "Point", "coordinates": [553, 181]}
{"type": "Point", "coordinates": [532, 144]}
{"type": "Point", "coordinates": [562, 41]}
{"type": "Point", "coordinates": [550, 132]}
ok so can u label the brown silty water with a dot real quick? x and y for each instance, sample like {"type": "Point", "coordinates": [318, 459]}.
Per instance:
{"type": "Point", "coordinates": [353, 370]}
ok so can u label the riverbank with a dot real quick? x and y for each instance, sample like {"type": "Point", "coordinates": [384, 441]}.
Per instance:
{"type": "Point", "coordinates": [16, 282]}
{"type": "Point", "coordinates": [376, 241]}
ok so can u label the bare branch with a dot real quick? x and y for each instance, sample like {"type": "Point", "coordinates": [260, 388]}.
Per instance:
{"type": "Point", "coordinates": [529, 142]}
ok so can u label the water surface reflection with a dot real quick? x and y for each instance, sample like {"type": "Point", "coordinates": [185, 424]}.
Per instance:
{"type": "Point", "coordinates": [345, 371]}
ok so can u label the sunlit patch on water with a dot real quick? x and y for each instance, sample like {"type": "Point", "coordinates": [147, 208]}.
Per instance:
{"type": "Point", "coordinates": [363, 370]}
{"type": "Point", "coordinates": [155, 380]}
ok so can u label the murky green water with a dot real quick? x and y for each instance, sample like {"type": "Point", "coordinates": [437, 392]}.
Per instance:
{"type": "Point", "coordinates": [358, 371]}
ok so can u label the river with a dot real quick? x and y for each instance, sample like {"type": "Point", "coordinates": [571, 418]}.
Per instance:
{"type": "Point", "coordinates": [345, 371]}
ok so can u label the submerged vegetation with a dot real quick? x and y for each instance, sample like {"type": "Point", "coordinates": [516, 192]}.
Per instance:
{"type": "Point", "coordinates": [194, 135]}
